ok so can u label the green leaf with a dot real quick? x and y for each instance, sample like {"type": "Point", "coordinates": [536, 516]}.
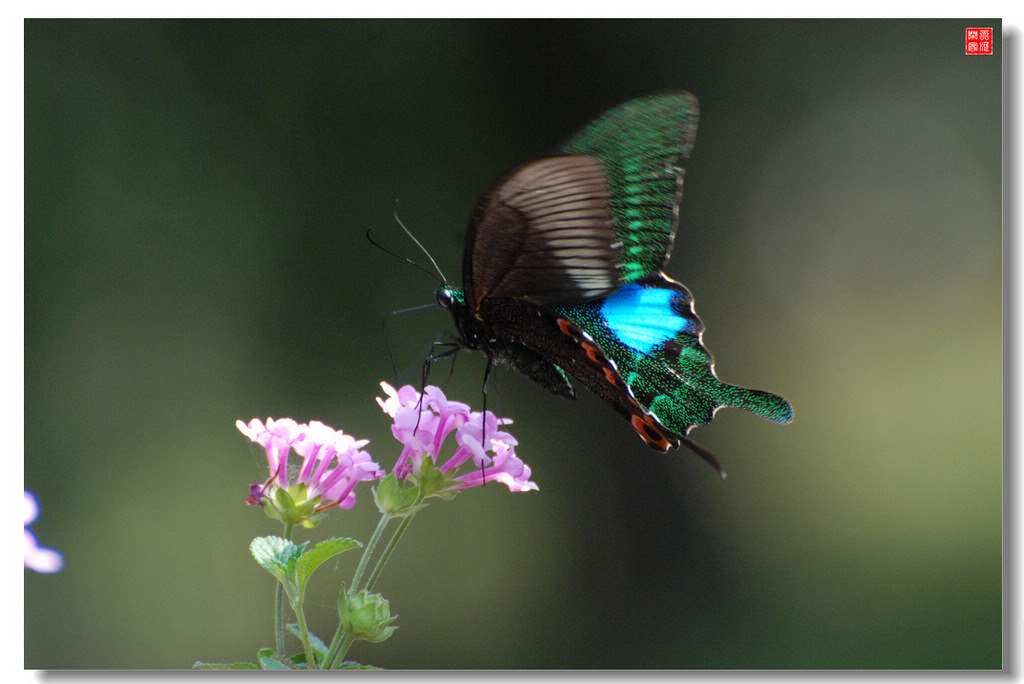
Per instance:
{"type": "Point", "coordinates": [277, 555]}
{"type": "Point", "coordinates": [353, 665]}
{"type": "Point", "coordinates": [432, 480]}
{"type": "Point", "coordinates": [200, 665]}
{"type": "Point", "coordinates": [323, 551]}
{"type": "Point", "coordinates": [411, 497]}
{"type": "Point", "coordinates": [268, 660]}
{"type": "Point", "coordinates": [319, 648]}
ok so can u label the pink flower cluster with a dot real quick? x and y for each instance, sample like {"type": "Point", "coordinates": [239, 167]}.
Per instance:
{"type": "Point", "coordinates": [332, 462]}
{"type": "Point", "coordinates": [422, 424]}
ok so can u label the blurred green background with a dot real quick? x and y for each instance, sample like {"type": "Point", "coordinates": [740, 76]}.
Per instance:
{"type": "Point", "coordinates": [196, 198]}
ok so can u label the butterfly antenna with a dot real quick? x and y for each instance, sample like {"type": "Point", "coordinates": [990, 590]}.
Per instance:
{"type": "Point", "coordinates": [444, 280]}
{"type": "Point", "coordinates": [399, 256]}
{"type": "Point", "coordinates": [450, 349]}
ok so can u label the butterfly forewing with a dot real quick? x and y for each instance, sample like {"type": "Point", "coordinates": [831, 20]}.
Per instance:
{"type": "Point", "coordinates": [543, 233]}
{"type": "Point", "coordinates": [642, 145]}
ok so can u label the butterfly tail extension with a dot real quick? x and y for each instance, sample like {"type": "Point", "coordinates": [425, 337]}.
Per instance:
{"type": "Point", "coordinates": [696, 399]}
{"type": "Point", "coordinates": [704, 453]}
{"type": "Point", "coordinates": [765, 404]}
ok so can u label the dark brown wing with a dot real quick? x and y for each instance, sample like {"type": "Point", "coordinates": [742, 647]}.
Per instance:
{"type": "Point", "coordinates": [543, 233]}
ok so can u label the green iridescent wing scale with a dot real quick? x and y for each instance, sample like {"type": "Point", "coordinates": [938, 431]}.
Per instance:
{"type": "Point", "coordinates": [651, 332]}
{"type": "Point", "coordinates": [642, 145]}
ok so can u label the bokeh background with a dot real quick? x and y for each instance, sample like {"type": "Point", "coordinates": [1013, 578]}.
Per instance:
{"type": "Point", "coordinates": [196, 198]}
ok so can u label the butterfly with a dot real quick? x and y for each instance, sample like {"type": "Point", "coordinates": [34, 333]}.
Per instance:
{"type": "Point", "coordinates": [562, 277]}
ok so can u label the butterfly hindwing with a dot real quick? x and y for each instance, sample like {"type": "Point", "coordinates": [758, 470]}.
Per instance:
{"type": "Point", "coordinates": [530, 332]}
{"type": "Point", "coordinates": [651, 332]}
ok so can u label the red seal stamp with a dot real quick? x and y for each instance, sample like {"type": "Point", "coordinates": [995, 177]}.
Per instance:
{"type": "Point", "coordinates": [978, 41]}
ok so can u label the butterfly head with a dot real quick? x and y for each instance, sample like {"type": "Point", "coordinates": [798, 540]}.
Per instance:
{"type": "Point", "coordinates": [454, 301]}
{"type": "Point", "coordinates": [450, 298]}
{"type": "Point", "coordinates": [473, 333]}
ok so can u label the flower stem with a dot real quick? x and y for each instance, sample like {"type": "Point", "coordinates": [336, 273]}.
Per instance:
{"type": "Point", "coordinates": [300, 616]}
{"type": "Point", "coordinates": [279, 619]}
{"type": "Point", "coordinates": [386, 554]}
{"type": "Point", "coordinates": [368, 551]}
{"type": "Point", "coordinates": [344, 641]}
{"type": "Point", "coordinates": [341, 640]}
{"type": "Point", "coordinates": [279, 605]}
{"type": "Point", "coordinates": [332, 650]}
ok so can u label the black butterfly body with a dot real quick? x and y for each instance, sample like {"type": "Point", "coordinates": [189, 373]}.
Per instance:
{"type": "Point", "coordinates": [562, 276]}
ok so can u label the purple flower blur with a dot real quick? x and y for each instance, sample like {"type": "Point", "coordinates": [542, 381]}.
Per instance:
{"type": "Point", "coordinates": [332, 463]}
{"type": "Point", "coordinates": [422, 426]}
{"type": "Point", "coordinates": [36, 557]}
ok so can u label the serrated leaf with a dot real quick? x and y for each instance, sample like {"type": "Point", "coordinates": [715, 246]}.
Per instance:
{"type": "Point", "coordinates": [353, 665]}
{"type": "Point", "coordinates": [276, 554]}
{"type": "Point", "coordinates": [268, 660]}
{"type": "Point", "coordinates": [319, 648]}
{"type": "Point", "coordinates": [224, 666]}
{"type": "Point", "coordinates": [323, 551]}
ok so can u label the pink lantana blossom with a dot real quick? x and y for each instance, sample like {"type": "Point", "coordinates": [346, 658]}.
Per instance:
{"type": "Point", "coordinates": [423, 424]}
{"type": "Point", "coordinates": [332, 463]}
{"type": "Point", "coordinates": [37, 557]}
{"type": "Point", "coordinates": [504, 467]}
{"type": "Point", "coordinates": [277, 438]}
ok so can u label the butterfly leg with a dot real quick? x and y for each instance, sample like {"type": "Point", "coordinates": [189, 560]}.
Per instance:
{"type": "Point", "coordinates": [451, 371]}
{"type": "Point", "coordinates": [452, 349]}
{"type": "Point", "coordinates": [483, 432]}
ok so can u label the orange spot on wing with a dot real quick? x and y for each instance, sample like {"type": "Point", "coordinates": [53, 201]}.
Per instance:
{"type": "Point", "coordinates": [649, 432]}
{"type": "Point", "coordinates": [591, 352]}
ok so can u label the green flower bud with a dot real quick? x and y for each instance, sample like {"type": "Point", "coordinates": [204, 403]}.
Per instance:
{"type": "Point", "coordinates": [431, 480]}
{"type": "Point", "coordinates": [395, 500]}
{"type": "Point", "coordinates": [365, 616]}
{"type": "Point", "coordinates": [292, 506]}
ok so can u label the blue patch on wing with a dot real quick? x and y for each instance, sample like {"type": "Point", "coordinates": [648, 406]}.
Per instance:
{"type": "Point", "coordinates": [645, 317]}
